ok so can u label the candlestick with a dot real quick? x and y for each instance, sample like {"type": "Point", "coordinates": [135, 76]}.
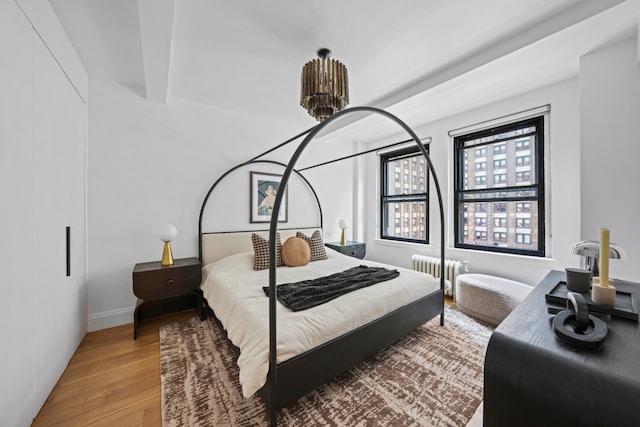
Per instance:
{"type": "Point", "coordinates": [604, 257]}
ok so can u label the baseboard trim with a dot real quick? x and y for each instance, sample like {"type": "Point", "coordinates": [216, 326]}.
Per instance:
{"type": "Point", "coordinates": [109, 319]}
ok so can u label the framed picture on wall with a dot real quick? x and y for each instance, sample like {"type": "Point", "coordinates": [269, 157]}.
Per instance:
{"type": "Point", "coordinates": [264, 188]}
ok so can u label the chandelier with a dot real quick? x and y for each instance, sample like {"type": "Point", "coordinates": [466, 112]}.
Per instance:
{"type": "Point", "coordinates": [325, 86]}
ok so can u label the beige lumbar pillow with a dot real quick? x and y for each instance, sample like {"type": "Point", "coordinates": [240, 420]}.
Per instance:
{"type": "Point", "coordinates": [296, 252]}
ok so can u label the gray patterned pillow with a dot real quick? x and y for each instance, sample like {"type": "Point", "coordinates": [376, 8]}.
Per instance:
{"type": "Point", "coordinates": [261, 252]}
{"type": "Point", "coordinates": [316, 244]}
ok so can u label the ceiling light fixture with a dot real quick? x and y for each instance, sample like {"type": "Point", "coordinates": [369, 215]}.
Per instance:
{"type": "Point", "coordinates": [325, 86]}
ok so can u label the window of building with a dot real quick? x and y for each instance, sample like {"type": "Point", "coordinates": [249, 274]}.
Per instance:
{"type": "Point", "coordinates": [500, 237]}
{"type": "Point", "coordinates": [517, 196]}
{"type": "Point", "coordinates": [410, 202]}
{"type": "Point", "coordinates": [524, 176]}
{"type": "Point", "coordinates": [499, 149]}
{"type": "Point", "coordinates": [500, 164]}
{"type": "Point", "coordinates": [523, 223]}
{"type": "Point", "coordinates": [481, 166]}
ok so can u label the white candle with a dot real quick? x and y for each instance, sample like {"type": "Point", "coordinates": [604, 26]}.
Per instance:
{"type": "Point", "coordinates": [604, 257]}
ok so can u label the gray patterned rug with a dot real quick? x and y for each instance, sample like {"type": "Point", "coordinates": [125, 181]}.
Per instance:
{"type": "Point", "coordinates": [432, 377]}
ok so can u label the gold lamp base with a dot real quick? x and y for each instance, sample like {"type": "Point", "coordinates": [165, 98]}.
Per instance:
{"type": "Point", "coordinates": [343, 239]}
{"type": "Point", "coordinates": [167, 255]}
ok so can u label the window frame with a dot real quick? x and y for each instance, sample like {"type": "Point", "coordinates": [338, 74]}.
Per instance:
{"type": "Point", "coordinates": [537, 188]}
{"type": "Point", "coordinates": [385, 198]}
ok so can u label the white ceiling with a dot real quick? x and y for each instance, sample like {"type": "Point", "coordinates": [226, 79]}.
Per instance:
{"type": "Point", "coordinates": [422, 59]}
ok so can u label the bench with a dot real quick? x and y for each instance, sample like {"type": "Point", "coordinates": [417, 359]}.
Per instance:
{"type": "Point", "coordinates": [489, 298]}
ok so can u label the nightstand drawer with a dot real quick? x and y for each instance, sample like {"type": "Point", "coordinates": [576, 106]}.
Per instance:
{"type": "Point", "coordinates": [166, 282]}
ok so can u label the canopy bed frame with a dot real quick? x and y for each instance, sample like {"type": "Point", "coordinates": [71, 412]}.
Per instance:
{"type": "Point", "coordinates": [289, 380]}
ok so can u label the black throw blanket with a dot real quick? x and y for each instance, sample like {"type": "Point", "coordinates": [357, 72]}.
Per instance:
{"type": "Point", "coordinates": [309, 293]}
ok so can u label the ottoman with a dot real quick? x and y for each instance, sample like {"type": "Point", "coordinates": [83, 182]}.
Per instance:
{"type": "Point", "coordinates": [489, 298]}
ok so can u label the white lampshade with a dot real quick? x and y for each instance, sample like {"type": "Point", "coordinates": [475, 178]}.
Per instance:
{"type": "Point", "coordinates": [343, 224]}
{"type": "Point", "coordinates": [167, 232]}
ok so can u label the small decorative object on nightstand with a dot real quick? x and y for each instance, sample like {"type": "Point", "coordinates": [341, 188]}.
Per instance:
{"type": "Point", "coordinates": [166, 289]}
{"type": "Point", "coordinates": [167, 234]}
{"type": "Point", "coordinates": [351, 248]}
{"type": "Point", "coordinates": [343, 224]}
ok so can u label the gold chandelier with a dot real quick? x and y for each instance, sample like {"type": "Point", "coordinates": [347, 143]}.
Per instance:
{"type": "Point", "coordinates": [325, 86]}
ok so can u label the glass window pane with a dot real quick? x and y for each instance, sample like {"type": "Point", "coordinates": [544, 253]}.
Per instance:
{"type": "Point", "coordinates": [512, 225]}
{"type": "Point", "coordinates": [406, 175]}
{"type": "Point", "coordinates": [409, 220]}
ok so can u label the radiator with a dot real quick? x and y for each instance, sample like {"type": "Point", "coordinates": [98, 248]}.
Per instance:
{"type": "Point", "coordinates": [431, 265]}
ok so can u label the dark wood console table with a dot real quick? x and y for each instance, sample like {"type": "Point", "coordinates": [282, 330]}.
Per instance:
{"type": "Point", "coordinates": [531, 378]}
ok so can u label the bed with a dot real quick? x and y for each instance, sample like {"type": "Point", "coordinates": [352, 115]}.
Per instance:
{"type": "Point", "coordinates": [233, 291]}
{"type": "Point", "coordinates": [297, 360]}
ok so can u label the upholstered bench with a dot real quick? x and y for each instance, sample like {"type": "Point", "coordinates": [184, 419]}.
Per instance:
{"type": "Point", "coordinates": [489, 298]}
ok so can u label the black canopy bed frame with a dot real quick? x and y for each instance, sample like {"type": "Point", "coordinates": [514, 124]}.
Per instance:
{"type": "Point", "coordinates": [293, 378]}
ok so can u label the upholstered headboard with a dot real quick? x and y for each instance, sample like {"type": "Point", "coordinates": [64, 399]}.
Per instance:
{"type": "Point", "coordinates": [216, 246]}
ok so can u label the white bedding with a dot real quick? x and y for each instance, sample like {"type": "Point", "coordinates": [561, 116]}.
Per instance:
{"type": "Point", "coordinates": [234, 292]}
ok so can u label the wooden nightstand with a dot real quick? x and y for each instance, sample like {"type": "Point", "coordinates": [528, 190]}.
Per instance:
{"type": "Point", "coordinates": [166, 289]}
{"type": "Point", "coordinates": [354, 249]}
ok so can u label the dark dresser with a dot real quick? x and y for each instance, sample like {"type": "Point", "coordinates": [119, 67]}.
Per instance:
{"type": "Point", "coordinates": [534, 379]}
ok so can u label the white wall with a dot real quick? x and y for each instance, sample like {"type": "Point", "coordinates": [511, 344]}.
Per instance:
{"type": "Point", "coordinates": [610, 128]}
{"type": "Point", "coordinates": [150, 164]}
{"type": "Point", "coordinates": [562, 190]}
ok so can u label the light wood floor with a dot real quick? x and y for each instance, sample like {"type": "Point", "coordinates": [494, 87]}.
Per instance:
{"type": "Point", "coordinates": [111, 380]}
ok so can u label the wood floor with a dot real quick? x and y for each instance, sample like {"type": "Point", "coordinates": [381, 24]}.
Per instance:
{"type": "Point", "coordinates": [111, 380]}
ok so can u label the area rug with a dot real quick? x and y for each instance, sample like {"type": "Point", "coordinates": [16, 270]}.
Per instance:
{"type": "Point", "coordinates": [432, 377]}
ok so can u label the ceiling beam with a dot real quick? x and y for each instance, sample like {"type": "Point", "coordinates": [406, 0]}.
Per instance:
{"type": "Point", "coordinates": [526, 37]}
{"type": "Point", "coordinates": [156, 34]}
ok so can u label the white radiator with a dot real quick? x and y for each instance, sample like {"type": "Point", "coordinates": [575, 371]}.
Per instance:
{"type": "Point", "coordinates": [431, 265]}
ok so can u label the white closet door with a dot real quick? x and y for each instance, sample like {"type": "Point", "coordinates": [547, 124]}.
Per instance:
{"type": "Point", "coordinates": [60, 300]}
{"type": "Point", "coordinates": [16, 216]}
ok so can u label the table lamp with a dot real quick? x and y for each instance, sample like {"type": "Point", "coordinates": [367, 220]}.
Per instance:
{"type": "Point", "coordinates": [343, 224]}
{"type": "Point", "coordinates": [167, 233]}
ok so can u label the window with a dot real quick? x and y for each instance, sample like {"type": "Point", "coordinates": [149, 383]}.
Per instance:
{"type": "Point", "coordinates": [500, 237]}
{"type": "Point", "coordinates": [500, 164]}
{"type": "Point", "coordinates": [399, 201]}
{"type": "Point", "coordinates": [515, 196]}
{"type": "Point", "coordinates": [523, 176]}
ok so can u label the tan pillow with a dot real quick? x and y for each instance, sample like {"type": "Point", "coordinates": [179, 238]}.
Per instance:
{"type": "Point", "coordinates": [261, 252]}
{"type": "Point", "coordinates": [316, 245]}
{"type": "Point", "coordinates": [296, 252]}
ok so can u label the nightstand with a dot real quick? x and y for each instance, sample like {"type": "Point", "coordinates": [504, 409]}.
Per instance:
{"type": "Point", "coordinates": [351, 248]}
{"type": "Point", "coordinates": [166, 289]}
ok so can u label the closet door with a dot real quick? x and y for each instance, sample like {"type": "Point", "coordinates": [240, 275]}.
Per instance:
{"type": "Point", "coordinates": [16, 214]}
{"type": "Point", "coordinates": [60, 295]}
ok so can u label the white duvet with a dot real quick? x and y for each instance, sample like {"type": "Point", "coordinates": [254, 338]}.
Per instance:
{"type": "Point", "coordinates": [234, 292]}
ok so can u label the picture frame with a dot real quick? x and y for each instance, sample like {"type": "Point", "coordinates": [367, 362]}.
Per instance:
{"type": "Point", "coordinates": [264, 187]}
